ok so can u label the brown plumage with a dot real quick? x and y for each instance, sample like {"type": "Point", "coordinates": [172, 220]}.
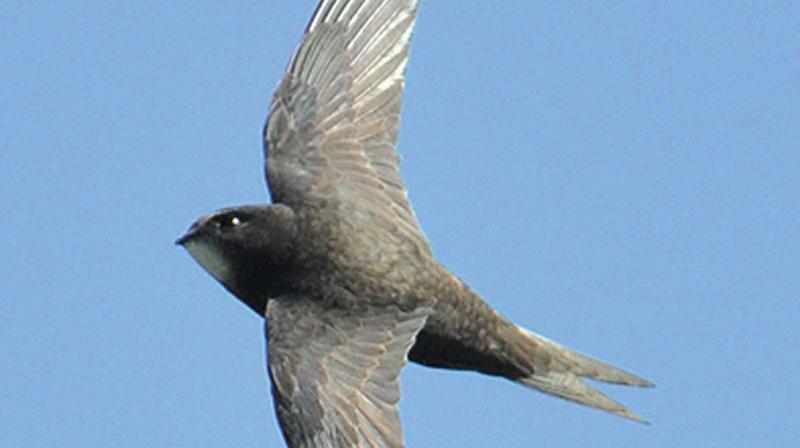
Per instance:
{"type": "Point", "coordinates": [339, 265]}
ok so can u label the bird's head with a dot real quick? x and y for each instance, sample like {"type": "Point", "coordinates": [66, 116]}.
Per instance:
{"type": "Point", "coordinates": [247, 249]}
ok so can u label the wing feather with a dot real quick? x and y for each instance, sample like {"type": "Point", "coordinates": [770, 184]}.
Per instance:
{"type": "Point", "coordinates": [333, 125]}
{"type": "Point", "coordinates": [335, 371]}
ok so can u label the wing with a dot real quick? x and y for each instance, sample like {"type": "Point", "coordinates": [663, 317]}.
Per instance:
{"type": "Point", "coordinates": [334, 372]}
{"type": "Point", "coordinates": [334, 119]}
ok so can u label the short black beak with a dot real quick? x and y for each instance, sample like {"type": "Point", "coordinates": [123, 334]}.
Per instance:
{"type": "Point", "coordinates": [191, 233]}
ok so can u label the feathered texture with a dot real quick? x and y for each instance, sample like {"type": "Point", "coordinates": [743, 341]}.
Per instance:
{"type": "Point", "coordinates": [330, 138]}
{"type": "Point", "coordinates": [558, 371]}
{"type": "Point", "coordinates": [334, 371]}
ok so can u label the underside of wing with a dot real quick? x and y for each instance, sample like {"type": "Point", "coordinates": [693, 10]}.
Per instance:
{"type": "Point", "coordinates": [331, 134]}
{"type": "Point", "coordinates": [335, 372]}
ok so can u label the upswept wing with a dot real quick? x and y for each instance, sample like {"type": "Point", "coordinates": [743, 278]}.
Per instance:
{"type": "Point", "coordinates": [334, 371]}
{"type": "Point", "coordinates": [334, 119]}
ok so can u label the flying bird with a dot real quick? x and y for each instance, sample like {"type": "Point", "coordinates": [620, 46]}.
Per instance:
{"type": "Point", "coordinates": [338, 264]}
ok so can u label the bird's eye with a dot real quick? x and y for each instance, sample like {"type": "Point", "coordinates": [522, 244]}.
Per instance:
{"type": "Point", "coordinates": [229, 221]}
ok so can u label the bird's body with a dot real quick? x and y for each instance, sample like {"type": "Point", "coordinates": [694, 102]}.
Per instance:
{"type": "Point", "coordinates": [338, 264]}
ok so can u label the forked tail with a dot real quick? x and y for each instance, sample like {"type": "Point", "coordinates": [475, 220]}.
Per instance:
{"type": "Point", "coordinates": [559, 371]}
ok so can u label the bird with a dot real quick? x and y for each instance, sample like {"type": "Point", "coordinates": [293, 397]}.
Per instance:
{"type": "Point", "coordinates": [338, 265]}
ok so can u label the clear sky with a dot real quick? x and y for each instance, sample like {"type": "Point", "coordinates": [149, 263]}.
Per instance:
{"type": "Point", "coordinates": [622, 177]}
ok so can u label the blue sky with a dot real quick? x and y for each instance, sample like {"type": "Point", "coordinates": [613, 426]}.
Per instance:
{"type": "Point", "coordinates": [622, 178]}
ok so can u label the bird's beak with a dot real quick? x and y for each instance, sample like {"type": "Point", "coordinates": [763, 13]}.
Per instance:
{"type": "Point", "coordinates": [191, 233]}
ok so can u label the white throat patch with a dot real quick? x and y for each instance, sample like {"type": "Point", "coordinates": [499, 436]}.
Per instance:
{"type": "Point", "coordinates": [210, 259]}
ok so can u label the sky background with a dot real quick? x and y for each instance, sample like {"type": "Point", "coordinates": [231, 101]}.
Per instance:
{"type": "Point", "coordinates": [620, 177]}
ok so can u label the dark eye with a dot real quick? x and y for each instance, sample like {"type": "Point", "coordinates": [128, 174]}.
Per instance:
{"type": "Point", "coordinates": [229, 221]}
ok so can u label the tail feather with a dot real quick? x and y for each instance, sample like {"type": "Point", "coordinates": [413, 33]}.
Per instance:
{"type": "Point", "coordinates": [558, 371]}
